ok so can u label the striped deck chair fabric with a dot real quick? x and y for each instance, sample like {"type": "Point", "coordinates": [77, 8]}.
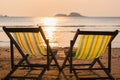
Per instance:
{"type": "Point", "coordinates": [30, 43]}
{"type": "Point", "coordinates": [91, 46]}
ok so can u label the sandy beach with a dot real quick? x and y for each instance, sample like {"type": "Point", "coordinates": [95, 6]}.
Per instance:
{"type": "Point", "coordinates": [52, 74]}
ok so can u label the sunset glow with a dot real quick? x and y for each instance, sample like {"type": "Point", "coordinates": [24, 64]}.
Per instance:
{"type": "Point", "coordinates": [49, 21]}
{"type": "Point", "coordinates": [48, 8]}
{"type": "Point", "coordinates": [49, 28]}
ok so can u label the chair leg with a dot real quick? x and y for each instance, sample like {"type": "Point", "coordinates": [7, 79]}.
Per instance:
{"type": "Point", "coordinates": [15, 68]}
{"type": "Point", "coordinates": [60, 70]}
{"type": "Point", "coordinates": [106, 71]}
{"type": "Point", "coordinates": [40, 75]}
{"type": "Point", "coordinates": [64, 64]}
{"type": "Point", "coordinates": [92, 64]}
{"type": "Point", "coordinates": [66, 59]}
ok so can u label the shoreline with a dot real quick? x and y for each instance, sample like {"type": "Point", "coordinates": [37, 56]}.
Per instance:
{"type": "Point", "coordinates": [5, 62]}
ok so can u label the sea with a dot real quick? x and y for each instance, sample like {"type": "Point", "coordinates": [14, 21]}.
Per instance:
{"type": "Point", "coordinates": [60, 30]}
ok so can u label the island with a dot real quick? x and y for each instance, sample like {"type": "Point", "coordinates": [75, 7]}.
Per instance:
{"type": "Point", "coordinates": [61, 15]}
{"type": "Point", "coordinates": [72, 14]}
{"type": "Point", "coordinates": [4, 16]}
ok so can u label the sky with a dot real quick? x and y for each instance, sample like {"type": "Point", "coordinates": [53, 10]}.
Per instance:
{"type": "Point", "coordinates": [48, 8]}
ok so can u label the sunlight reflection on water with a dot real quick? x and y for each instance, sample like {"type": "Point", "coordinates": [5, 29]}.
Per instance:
{"type": "Point", "coordinates": [49, 30]}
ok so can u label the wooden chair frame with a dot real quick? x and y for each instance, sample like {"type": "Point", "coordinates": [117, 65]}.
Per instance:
{"type": "Point", "coordinates": [14, 67]}
{"type": "Point", "coordinates": [69, 55]}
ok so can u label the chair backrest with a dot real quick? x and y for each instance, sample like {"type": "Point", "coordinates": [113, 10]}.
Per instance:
{"type": "Point", "coordinates": [92, 44]}
{"type": "Point", "coordinates": [28, 40]}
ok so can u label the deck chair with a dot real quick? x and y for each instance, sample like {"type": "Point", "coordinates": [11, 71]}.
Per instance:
{"type": "Point", "coordinates": [29, 41]}
{"type": "Point", "coordinates": [90, 46]}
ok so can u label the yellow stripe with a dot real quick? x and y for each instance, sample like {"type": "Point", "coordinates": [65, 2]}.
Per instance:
{"type": "Point", "coordinates": [89, 43]}
{"type": "Point", "coordinates": [36, 45]}
{"type": "Point", "coordinates": [79, 47]}
{"type": "Point", "coordinates": [105, 45]}
{"type": "Point", "coordinates": [93, 47]}
{"type": "Point", "coordinates": [40, 44]}
{"type": "Point", "coordinates": [84, 47]}
{"type": "Point", "coordinates": [98, 46]}
{"type": "Point", "coordinates": [21, 42]}
{"type": "Point", "coordinates": [89, 46]}
{"type": "Point", "coordinates": [30, 44]}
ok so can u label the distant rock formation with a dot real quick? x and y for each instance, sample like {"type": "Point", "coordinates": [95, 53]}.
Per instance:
{"type": "Point", "coordinates": [3, 15]}
{"type": "Point", "coordinates": [60, 15]}
{"type": "Point", "coordinates": [72, 14]}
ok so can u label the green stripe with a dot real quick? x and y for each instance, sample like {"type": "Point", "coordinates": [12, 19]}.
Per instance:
{"type": "Point", "coordinates": [91, 46]}
{"type": "Point", "coordinates": [38, 48]}
{"type": "Point", "coordinates": [103, 39]}
{"type": "Point", "coordinates": [24, 34]}
{"type": "Point", "coordinates": [42, 43]}
{"type": "Point", "coordinates": [81, 47]}
{"type": "Point", "coordinates": [15, 36]}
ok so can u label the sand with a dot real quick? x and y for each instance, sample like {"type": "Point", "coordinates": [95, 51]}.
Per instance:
{"type": "Point", "coordinates": [52, 74]}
